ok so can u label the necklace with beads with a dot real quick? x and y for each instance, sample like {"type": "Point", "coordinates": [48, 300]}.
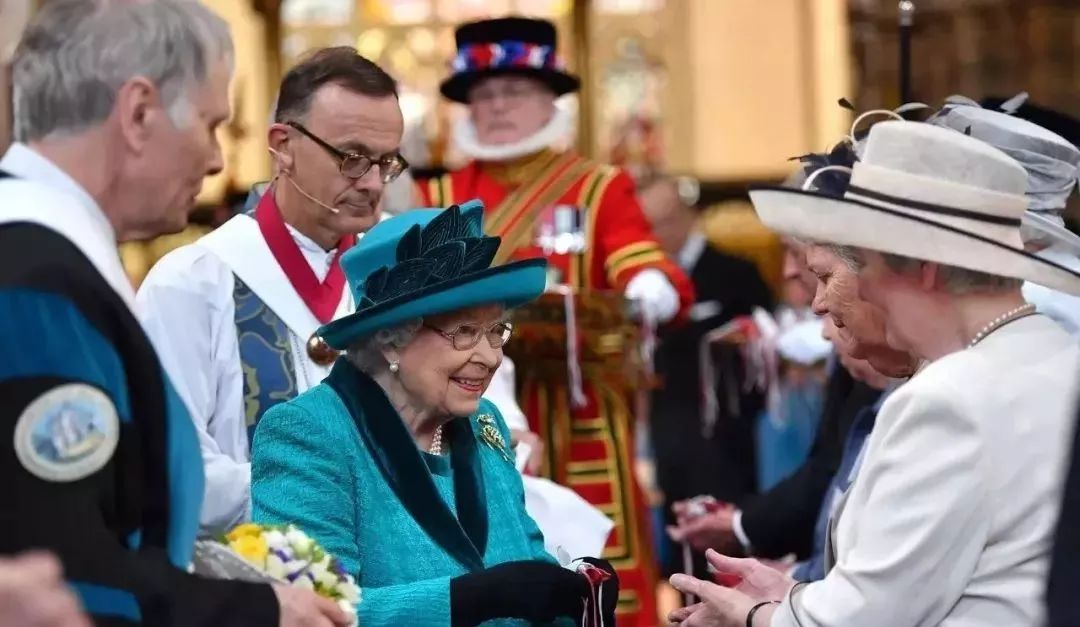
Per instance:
{"type": "Point", "coordinates": [436, 442]}
{"type": "Point", "coordinates": [1013, 314]}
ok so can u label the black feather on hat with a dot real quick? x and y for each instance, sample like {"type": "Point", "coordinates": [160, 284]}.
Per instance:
{"type": "Point", "coordinates": [831, 182]}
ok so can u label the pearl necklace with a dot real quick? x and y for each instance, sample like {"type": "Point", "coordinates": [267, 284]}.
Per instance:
{"type": "Point", "coordinates": [436, 442]}
{"type": "Point", "coordinates": [1021, 311]}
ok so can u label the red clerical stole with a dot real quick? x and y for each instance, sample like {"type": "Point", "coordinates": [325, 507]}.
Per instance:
{"type": "Point", "coordinates": [322, 298]}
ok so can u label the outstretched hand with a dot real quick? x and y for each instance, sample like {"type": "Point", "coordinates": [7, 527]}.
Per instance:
{"type": "Point", "coordinates": [719, 606]}
{"type": "Point", "coordinates": [712, 530]}
{"type": "Point", "coordinates": [759, 581]}
{"type": "Point", "coordinates": [728, 607]}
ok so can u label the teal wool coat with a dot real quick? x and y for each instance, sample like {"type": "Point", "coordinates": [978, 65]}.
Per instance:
{"type": "Point", "coordinates": [338, 462]}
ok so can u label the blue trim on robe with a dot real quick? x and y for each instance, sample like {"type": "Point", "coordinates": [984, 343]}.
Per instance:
{"type": "Point", "coordinates": [75, 350]}
{"type": "Point", "coordinates": [265, 356]}
{"type": "Point", "coordinates": [72, 349]}
{"type": "Point", "coordinates": [187, 478]}
{"type": "Point", "coordinates": [102, 601]}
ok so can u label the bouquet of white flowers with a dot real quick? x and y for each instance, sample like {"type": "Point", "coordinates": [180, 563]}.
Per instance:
{"type": "Point", "coordinates": [281, 554]}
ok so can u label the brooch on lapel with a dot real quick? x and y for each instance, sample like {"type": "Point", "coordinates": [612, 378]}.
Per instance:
{"type": "Point", "coordinates": [490, 435]}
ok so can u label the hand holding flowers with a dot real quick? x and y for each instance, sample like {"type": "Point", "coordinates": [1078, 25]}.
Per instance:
{"type": "Point", "coordinates": [286, 556]}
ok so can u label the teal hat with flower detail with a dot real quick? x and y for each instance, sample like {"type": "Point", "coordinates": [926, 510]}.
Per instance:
{"type": "Point", "coordinates": [425, 262]}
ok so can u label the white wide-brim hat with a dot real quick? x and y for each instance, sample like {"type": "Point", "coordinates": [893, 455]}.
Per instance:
{"type": "Point", "coordinates": [926, 193]}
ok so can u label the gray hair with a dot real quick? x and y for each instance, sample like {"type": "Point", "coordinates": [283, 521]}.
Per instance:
{"type": "Point", "coordinates": [848, 254]}
{"type": "Point", "coordinates": [956, 280]}
{"type": "Point", "coordinates": [367, 353]}
{"type": "Point", "coordinates": [76, 54]}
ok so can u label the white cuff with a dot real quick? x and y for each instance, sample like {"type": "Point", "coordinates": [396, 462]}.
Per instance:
{"type": "Point", "coordinates": [740, 533]}
{"type": "Point", "coordinates": [657, 295]}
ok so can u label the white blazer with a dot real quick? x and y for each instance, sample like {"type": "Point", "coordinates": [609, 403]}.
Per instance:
{"type": "Point", "coordinates": [951, 518]}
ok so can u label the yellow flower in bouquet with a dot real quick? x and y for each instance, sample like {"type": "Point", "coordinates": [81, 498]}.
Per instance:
{"type": "Point", "coordinates": [252, 548]}
{"type": "Point", "coordinates": [289, 556]}
{"type": "Point", "coordinates": [240, 531]}
{"type": "Point", "coordinates": [248, 529]}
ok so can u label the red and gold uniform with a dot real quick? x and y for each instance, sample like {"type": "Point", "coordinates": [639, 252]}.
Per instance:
{"type": "Point", "coordinates": [591, 448]}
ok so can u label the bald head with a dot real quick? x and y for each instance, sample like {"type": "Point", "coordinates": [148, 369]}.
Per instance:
{"type": "Point", "coordinates": [672, 220]}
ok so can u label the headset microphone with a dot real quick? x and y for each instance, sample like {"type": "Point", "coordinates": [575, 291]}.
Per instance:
{"type": "Point", "coordinates": [299, 189]}
{"type": "Point", "coordinates": [312, 198]}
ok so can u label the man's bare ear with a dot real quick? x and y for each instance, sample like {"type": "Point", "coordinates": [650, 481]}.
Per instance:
{"type": "Point", "coordinates": [138, 108]}
{"type": "Point", "coordinates": [277, 139]}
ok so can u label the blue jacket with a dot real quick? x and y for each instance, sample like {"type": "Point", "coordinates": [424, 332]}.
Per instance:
{"type": "Point", "coordinates": [338, 462]}
{"type": "Point", "coordinates": [813, 569]}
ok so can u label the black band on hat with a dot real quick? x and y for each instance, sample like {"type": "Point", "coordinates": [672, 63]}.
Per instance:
{"type": "Point", "coordinates": [934, 208]}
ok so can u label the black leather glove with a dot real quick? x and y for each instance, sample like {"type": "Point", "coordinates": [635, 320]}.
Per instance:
{"type": "Point", "coordinates": [610, 588]}
{"type": "Point", "coordinates": [530, 590]}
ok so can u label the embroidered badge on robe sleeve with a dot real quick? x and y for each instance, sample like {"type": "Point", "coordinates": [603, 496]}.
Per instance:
{"type": "Point", "coordinates": [67, 433]}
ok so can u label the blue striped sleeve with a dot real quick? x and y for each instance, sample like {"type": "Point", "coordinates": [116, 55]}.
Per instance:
{"type": "Point", "coordinates": [44, 334]}
{"type": "Point", "coordinates": [106, 602]}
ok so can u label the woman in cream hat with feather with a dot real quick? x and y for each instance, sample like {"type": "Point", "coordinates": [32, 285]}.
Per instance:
{"type": "Point", "coordinates": [950, 519]}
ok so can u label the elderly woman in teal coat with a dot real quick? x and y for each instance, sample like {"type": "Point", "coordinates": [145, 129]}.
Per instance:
{"type": "Point", "coordinates": [395, 463]}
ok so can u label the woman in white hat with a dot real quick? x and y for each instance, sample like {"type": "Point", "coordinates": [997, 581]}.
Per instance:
{"type": "Point", "coordinates": [951, 517]}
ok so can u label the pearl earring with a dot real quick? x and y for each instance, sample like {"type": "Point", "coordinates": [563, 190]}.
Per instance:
{"type": "Point", "coordinates": [394, 367]}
